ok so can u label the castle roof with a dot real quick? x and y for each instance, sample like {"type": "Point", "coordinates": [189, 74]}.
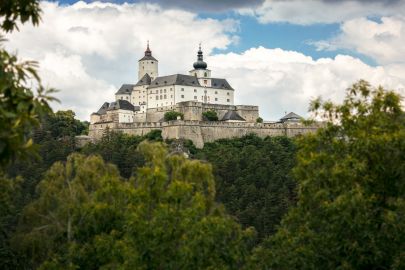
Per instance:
{"type": "Point", "coordinates": [103, 109]}
{"type": "Point", "coordinates": [122, 105]}
{"type": "Point", "coordinates": [232, 116]}
{"type": "Point", "coordinates": [176, 79]}
{"type": "Point", "coordinates": [221, 84]}
{"type": "Point", "coordinates": [145, 80]}
{"type": "Point", "coordinates": [291, 117]}
{"type": "Point", "coordinates": [148, 54]}
{"type": "Point", "coordinates": [125, 89]}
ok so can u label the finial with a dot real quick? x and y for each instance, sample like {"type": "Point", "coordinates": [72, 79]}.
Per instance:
{"type": "Point", "coordinates": [147, 44]}
{"type": "Point", "coordinates": [199, 46]}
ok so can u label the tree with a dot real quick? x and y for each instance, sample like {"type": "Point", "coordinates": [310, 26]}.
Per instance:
{"type": "Point", "coordinates": [210, 115]}
{"type": "Point", "coordinates": [259, 120]}
{"type": "Point", "coordinates": [19, 107]}
{"type": "Point", "coordinates": [165, 217]}
{"type": "Point", "coordinates": [172, 115]}
{"type": "Point", "coordinates": [253, 178]}
{"type": "Point", "coordinates": [351, 209]}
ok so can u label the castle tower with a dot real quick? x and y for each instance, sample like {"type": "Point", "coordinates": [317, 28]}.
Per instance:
{"type": "Point", "coordinates": [200, 69]}
{"type": "Point", "coordinates": [148, 64]}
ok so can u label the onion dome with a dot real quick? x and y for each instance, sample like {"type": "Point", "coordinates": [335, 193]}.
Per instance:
{"type": "Point", "coordinates": [200, 64]}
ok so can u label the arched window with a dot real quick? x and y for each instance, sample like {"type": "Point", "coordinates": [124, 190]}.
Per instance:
{"type": "Point", "coordinates": [205, 74]}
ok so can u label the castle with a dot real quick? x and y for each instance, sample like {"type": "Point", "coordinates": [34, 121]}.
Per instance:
{"type": "Point", "coordinates": [140, 108]}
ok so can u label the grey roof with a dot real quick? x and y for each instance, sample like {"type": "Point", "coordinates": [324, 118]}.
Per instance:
{"type": "Point", "coordinates": [232, 115]}
{"type": "Point", "coordinates": [176, 79]}
{"type": "Point", "coordinates": [145, 80]}
{"type": "Point", "coordinates": [148, 57]}
{"type": "Point", "coordinates": [123, 105]}
{"type": "Point", "coordinates": [291, 116]}
{"type": "Point", "coordinates": [103, 108]}
{"type": "Point", "coordinates": [220, 83]}
{"type": "Point", "coordinates": [125, 89]}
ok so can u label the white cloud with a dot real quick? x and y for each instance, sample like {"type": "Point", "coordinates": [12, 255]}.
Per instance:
{"type": "Point", "coordinates": [88, 50]}
{"type": "Point", "coordinates": [315, 11]}
{"type": "Point", "coordinates": [282, 81]}
{"type": "Point", "coordinates": [383, 41]}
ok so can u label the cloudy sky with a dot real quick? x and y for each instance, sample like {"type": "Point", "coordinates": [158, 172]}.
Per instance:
{"type": "Point", "coordinates": [278, 54]}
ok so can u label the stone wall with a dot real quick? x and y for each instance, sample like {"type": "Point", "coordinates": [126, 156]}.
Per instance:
{"type": "Point", "coordinates": [201, 132]}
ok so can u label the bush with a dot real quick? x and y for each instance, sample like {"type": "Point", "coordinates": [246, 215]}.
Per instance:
{"type": "Point", "coordinates": [210, 115]}
{"type": "Point", "coordinates": [172, 115]}
{"type": "Point", "coordinates": [259, 120]}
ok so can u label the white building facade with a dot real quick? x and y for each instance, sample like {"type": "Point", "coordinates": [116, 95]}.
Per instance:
{"type": "Point", "coordinates": [155, 92]}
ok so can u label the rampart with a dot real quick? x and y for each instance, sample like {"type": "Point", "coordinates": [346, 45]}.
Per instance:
{"type": "Point", "coordinates": [201, 132]}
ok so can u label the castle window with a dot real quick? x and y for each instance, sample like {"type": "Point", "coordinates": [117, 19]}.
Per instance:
{"type": "Point", "coordinates": [216, 99]}
{"type": "Point", "coordinates": [195, 97]}
{"type": "Point", "coordinates": [227, 93]}
{"type": "Point", "coordinates": [157, 91]}
{"type": "Point", "coordinates": [182, 96]}
{"type": "Point", "coordinates": [165, 97]}
{"type": "Point", "coordinates": [205, 81]}
{"type": "Point", "coordinates": [161, 97]}
{"type": "Point", "coordinates": [152, 62]}
{"type": "Point", "coordinates": [171, 96]}
{"type": "Point", "coordinates": [216, 92]}
{"type": "Point", "coordinates": [227, 100]}
{"type": "Point", "coordinates": [195, 90]}
{"type": "Point", "coordinates": [161, 91]}
{"type": "Point", "coordinates": [157, 97]}
{"type": "Point", "coordinates": [171, 89]}
{"type": "Point", "coordinates": [205, 75]}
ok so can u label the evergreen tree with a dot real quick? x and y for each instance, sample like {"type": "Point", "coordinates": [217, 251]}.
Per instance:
{"type": "Point", "coordinates": [351, 208]}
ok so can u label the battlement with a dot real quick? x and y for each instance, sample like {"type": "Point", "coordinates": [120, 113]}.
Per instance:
{"type": "Point", "coordinates": [201, 132]}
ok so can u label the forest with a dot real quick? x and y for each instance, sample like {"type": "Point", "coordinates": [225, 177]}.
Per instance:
{"type": "Point", "coordinates": [329, 200]}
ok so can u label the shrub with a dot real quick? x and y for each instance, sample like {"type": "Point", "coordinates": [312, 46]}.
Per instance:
{"type": "Point", "coordinates": [259, 120]}
{"type": "Point", "coordinates": [210, 115]}
{"type": "Point", "coordinates": [172, 115]}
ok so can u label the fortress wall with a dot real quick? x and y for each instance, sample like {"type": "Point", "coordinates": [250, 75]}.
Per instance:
{"type": "Point", "coordinates": [140, 117]}
{"type": "Point", "coordinates": [249, 113]}
{"type": "Point", "coordinates": [201, 132]}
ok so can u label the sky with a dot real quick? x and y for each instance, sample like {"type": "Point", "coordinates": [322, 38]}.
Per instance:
{"type": "Point", "coordinates": [277, 54]}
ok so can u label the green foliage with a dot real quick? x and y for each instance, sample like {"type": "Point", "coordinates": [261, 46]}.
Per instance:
{"type": "Point", "coordinates": [351, 208]}
{"type": "Point", "coordinates": [19, 108]}
{"type": "Point", "coordinates": [259, 120]}
{"type": "Point", "coordinates": [172, 115]}
{"type": "Point", "coordinates": [253, 178]}
{"type": "Point", "coordinates": [210, 115]}
{"type": "Point", "coordinates": [86, 217]}
{"type": "Point", "coordinates": [154, 135]}
{"type": "Point", "coordinates": [12, 11]}
{"type": "Point", "coordinates": [10, 193]}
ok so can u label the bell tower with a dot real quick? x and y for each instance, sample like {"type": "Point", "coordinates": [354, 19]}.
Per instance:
{"type": "Point", "coordinates": [148, 65]}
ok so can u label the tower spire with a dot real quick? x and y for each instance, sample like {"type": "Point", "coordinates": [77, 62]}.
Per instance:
{"type": "Point", "coordinates": [148, 52]}
{"type": "Point", "coordinates": [200, 64]}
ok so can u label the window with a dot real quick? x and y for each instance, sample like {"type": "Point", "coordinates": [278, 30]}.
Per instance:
{"type": "Point", "coordinates": [182, 96]}
{"type": "Point", "coordinates": [121, 97]}
{"type": "Point", "coordinates": [161, 97]}
{"type": "Point", "coordinates": [157, 91]}
{"type": "Point", "coordinates": [165, 90]}
{"type": "Point", "coordinates": [157, 97]}
{"type": "Point", "coordinates": [165, 97]}
{"type": "Point", "coordinates": [205, 75]}
{"type": "Point", "coordinates": [227, 100]}
{"type": "Point", "coordinates": [152, 62]}
{"type": "Point", "coordinates": [227, 93]}
{"type": "Point", "coordinates": [216, 99]}
{"type": "Point", "coordinates": [216, 92]}
{"type": "Point", "coordinates": [161, 91]}
{"type": "Point", "coordinates": [195, 97]}
{"type": "Point", "coordinates": [205, 81]}
{"type": "Point", "coordinates": [171, 89]}
{"type": "Point", "coordinates": [150, 92]}
{"type": "Point", "coordinates": [182, 89]}
{"type": "Point", "coordinates": [171, 96]}
{"type": "Point", "coordinates": [195, 90]}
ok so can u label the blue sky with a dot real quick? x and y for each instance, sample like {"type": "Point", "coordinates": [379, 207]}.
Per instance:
{"type": "Point", "coordinates": [277, 54]}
